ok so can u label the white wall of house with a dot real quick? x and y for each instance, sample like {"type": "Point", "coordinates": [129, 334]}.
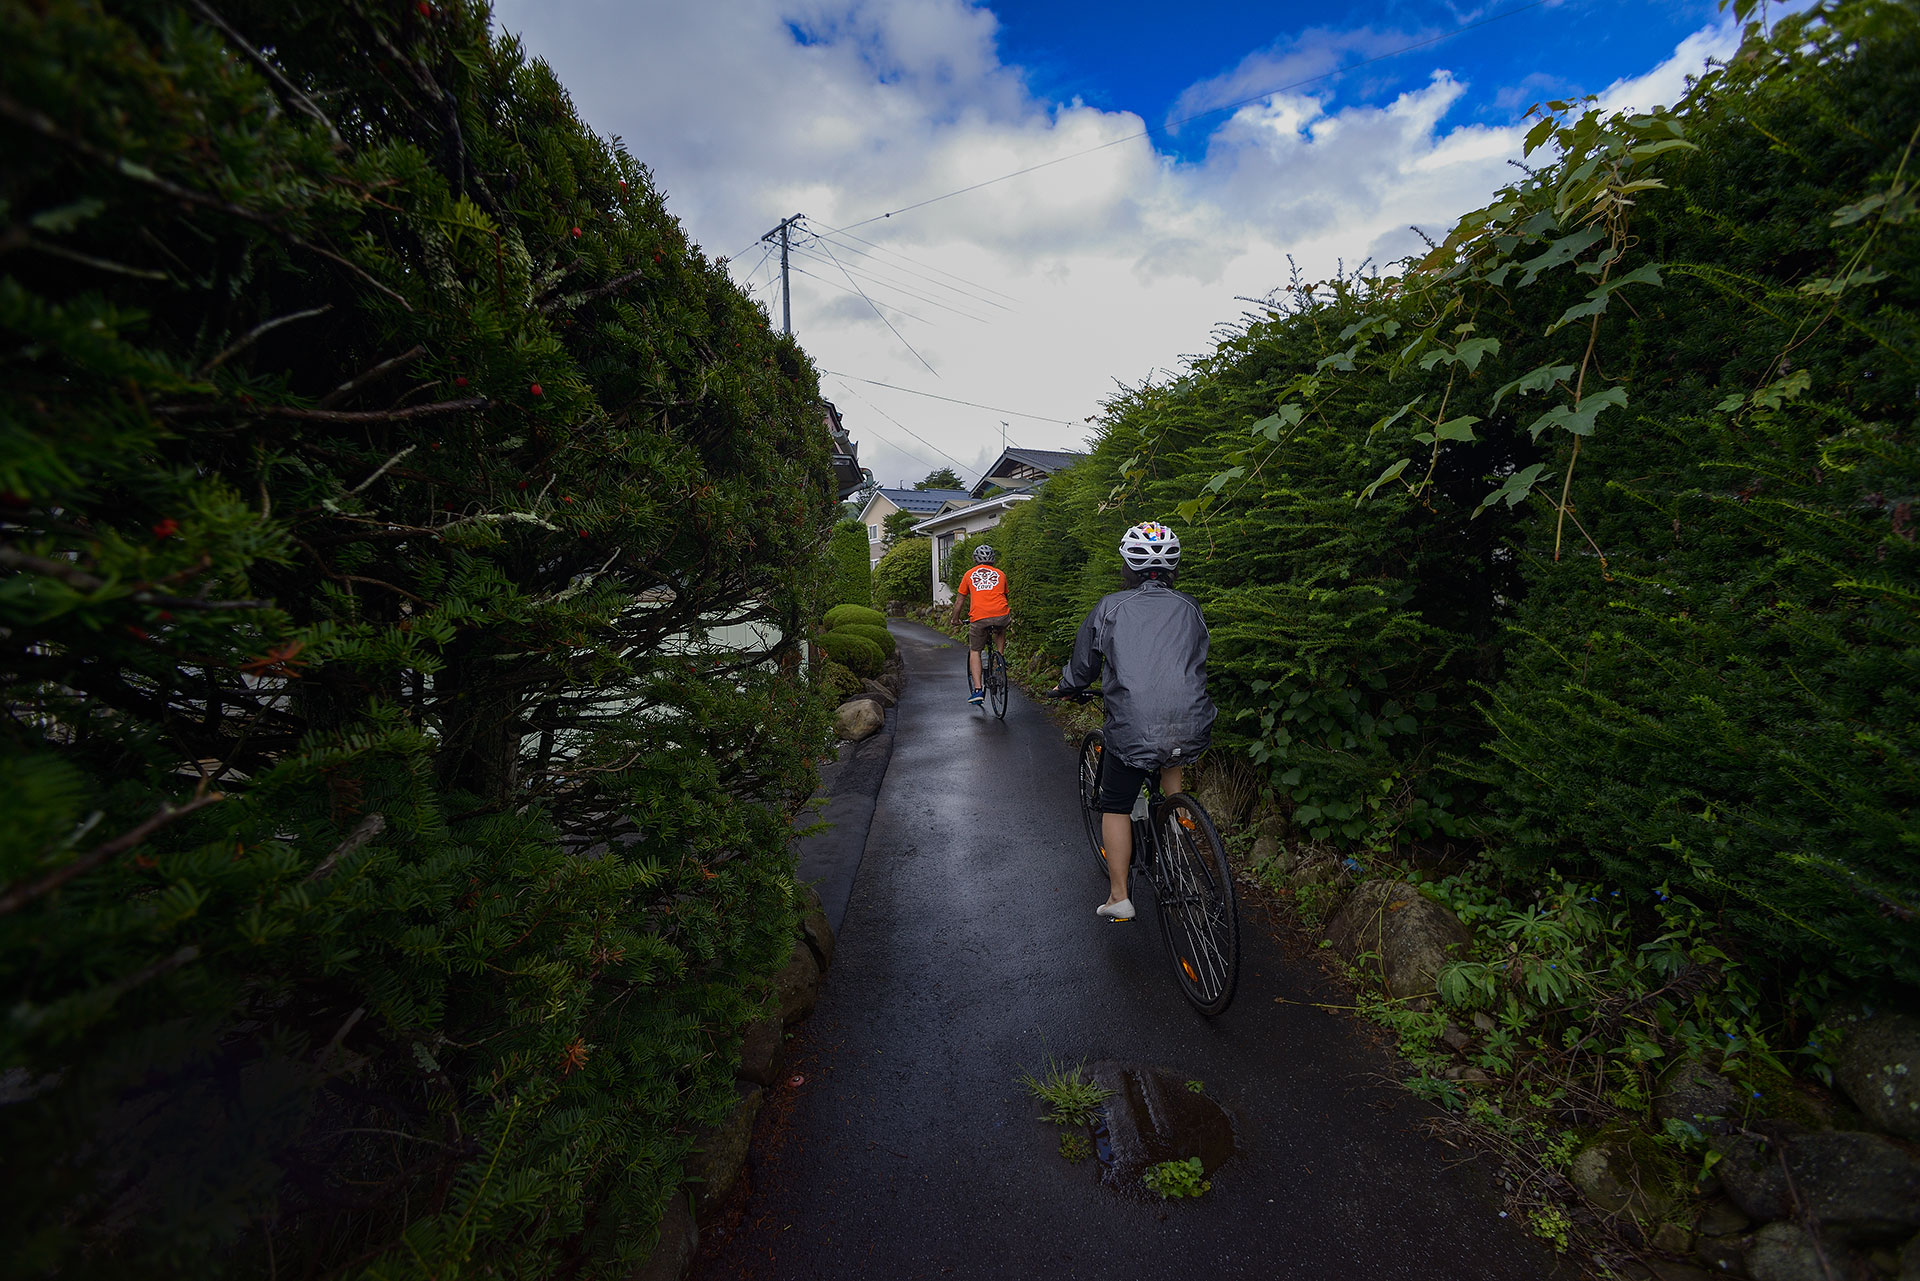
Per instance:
{"type": "Point", "coordinates": [875, 519]}
{"type": "Point", "coordinates": [950, 527]}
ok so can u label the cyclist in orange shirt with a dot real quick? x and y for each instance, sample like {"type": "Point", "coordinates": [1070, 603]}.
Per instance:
{"type": "Point", "coordinates": [983, 589]}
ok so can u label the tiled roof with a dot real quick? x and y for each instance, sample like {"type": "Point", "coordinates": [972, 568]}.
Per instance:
{"type": "Point", "coordinates": [924, 502]}
{"type": "Point", "coordinates": [1046, 459]}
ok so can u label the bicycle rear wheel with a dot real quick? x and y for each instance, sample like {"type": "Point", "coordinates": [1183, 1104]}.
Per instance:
{"type": "Point", "coordinates": [996, 677]}
{"type": "Point", "coordinates": [1198, 916]}
{"type": "Point", "coordinates": [1092, 749]}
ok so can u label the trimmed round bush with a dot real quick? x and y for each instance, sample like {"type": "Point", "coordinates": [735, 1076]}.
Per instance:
{"type": "Point", "coordinates": [839, 680]}
{"type": "Point", "coordinates": [841, 615]}
{"type": "Point", "coordinates": [859, 653]}
{"type": "Point", "coordinates": [878, 635]}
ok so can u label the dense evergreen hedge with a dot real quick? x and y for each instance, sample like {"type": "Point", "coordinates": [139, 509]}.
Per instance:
{"type": "Point", "coordinates": [904, 575]}
{"type": "Point", "coordinates": [1591, 535]}
{"type": "Point", "coordinates": [852, 566]}
{"type": "Point", "coordinates": [391, 862]}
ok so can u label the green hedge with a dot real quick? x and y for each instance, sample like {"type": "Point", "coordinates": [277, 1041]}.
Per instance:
{"type": "Point", "coordinates": [331, 538]}
{"type": "Point", "coordinates": [841, 615]}
{"type": "Point", "coordinates": [1590, 536]}
{"type": "Point", "coordinates": [904, 575]}
{"type": "Point", "coordinates": [878, 635]}
{"type": "Point", "coordinates": [861, 654]}
{"type": "Point", "coordinates": [852, 565]}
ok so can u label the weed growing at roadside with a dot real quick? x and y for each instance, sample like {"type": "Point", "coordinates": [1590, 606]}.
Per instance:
{"type": "Point", "coordinates": [1071, 1098]}
{"type": "Point", "coordinates": [1074, 1146]}
{"type": "Point", "coordinates": [1173, 1179]}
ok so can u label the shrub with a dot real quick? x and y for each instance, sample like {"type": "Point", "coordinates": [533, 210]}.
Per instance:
{"type": "Point", "coordinates": [903, 576]}
{"type": "Point", "coordinates": [859, 653]}
{"type": "Point", "coordinates": [840, 615]}
{"type": "Point", "coordinates": [839, 680]}
{"type": "Point", "coordinates": [878, 635]}
{"type": "Point", "coordinates": [319, 484]}
{"type": "Point", "coordinates": [852, 581]}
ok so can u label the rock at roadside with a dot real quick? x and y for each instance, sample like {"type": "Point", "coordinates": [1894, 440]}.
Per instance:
{"type": "Point", "coordinates": [1610, 1174]}
{"type": "Point", "coordinates": [1406, 936]}
{"type": "Point", "coordinates": [1697, 1096]}
{"type": "Point", "coordinates": [717, 1162]}
{"type": "Point", "coordinates": [1877, 1065]}
{"type": "Point", "coordinates": [1787, 1252]}
{"type": "Point", "coordinates": [797, 986]}
{"type": "Point", "coordinates": [858, 718]}
{"type": "Point", "coordinates": [672, 1256]}
{"type": "Point", "coordinates": [816, 930]}
{"type": "Point", "coordinates": [1863, 1186]}
{"type": "Point", "coordinates": [880, 693]}
{"type": "Point", "coordinates": [760, 1051]}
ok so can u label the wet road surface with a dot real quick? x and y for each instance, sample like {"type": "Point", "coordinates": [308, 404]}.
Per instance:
{"type": "Point", "coordinates": [969, 952]}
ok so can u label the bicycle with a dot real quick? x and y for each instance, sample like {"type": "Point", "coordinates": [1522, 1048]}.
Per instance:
{"type": "Point", "coordinates": [1177, 849]}
{"type": "Point", "coordinates": [993, 673]}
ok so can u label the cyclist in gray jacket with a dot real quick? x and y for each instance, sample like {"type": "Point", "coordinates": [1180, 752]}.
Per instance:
{"type": "Point", "coordinates": [1152, 643]}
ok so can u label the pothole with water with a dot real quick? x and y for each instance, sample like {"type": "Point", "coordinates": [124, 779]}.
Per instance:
{"type": "Point", "coordinates": [1152, 1115]}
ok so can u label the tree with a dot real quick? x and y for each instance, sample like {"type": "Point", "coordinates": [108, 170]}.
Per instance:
{"type": "Point", "coordinates": [943, 478]}
{"type": "Point", "coordinates": [898, 525]}
{"type": "Point", "coordinates": [904, 576]}
{"type": "Point", "coordinates": [376, 456]}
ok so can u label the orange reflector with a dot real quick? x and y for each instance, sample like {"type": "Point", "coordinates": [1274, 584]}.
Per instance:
{"type": "Point", "coordinates": [1186, 821]}
{"type": "Point", "coordinates": [1187, 965]}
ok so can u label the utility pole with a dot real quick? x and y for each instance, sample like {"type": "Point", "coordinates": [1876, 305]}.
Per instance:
{"type": "Point", "coordinates": [786, 290]}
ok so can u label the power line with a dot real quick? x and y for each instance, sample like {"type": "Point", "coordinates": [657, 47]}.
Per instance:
{"type": "Point", "coordinates": [831, 284]}
{"type": "Point", "coordinates": [819, 244]}
{"type": "Point", "coordinates": [883, 315]}
{"type": "Point", "coordinates": [902, 426]}
{"type": "Point", "coordinates": [888, 249]}
{"type": "Point", "coordinates": [1041, 418]}
{"type": "Point", "coordinates": [1211, 111]}
{"type": "Point", "coordinates": [938, 284]}
{"type": "Point", "coordinates": [887, 284]}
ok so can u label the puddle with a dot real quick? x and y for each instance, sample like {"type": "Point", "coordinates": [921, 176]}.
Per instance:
{"type": "Point", "coordinates": [1151, 1116]}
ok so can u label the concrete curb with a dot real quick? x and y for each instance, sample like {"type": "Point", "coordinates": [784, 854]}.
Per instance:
{"type": "Point", "coordinates": [830, 859]}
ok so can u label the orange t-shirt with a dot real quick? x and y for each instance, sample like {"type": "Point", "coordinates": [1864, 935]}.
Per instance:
{"type": "Point", "coordinates": [988, 588]}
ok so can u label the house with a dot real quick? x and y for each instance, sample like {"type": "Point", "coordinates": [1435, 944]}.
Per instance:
{"type": "Point", "coordinates": [1018, 469]}
{"type": "Point", "coordinates": [882, 503]}
{"type": "Point", "coordinates": [959, 521]}
{"type": "Point", "coordinates": [1017, 474]}
{"type": "Point", "coordinates": [848, 474]}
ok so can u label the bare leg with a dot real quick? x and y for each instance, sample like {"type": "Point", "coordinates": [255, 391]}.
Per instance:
{"type": "Point", "coordinates": [1116, 833]}
{"type": "Point", "coordinates": [973, 666]}
{"type": "Point", "coordinates": [1170, 777]}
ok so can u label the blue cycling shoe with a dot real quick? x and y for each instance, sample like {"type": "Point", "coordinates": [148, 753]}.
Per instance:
{"type": "Point", "coordinates": [978, 697]}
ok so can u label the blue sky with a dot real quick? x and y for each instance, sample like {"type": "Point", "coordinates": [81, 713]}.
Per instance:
{"type": "Point", "coordinates": [1144, 57]}
{"type": "Point", "coordinates": [1031, 299]}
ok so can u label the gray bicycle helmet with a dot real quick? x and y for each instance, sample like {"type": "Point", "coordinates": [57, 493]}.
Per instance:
{"type": "Point", "coordinates": [1150, 545]}
{"type": "Point", "coordinates": [983, 554]}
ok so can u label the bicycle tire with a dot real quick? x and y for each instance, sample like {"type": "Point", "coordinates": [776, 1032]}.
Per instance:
{"type": "Point", "coordinates": [1198, 916]}
{"type": "Point", "coordinates": [996, 677]}
{"type": "Point", "coordinates": [1092, 748]}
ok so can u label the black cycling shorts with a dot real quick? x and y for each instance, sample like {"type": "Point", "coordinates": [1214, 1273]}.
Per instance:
{"type": "Point", "coordinates": [1120, 784]}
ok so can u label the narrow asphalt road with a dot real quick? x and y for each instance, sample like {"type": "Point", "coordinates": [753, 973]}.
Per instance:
{"type": "Point", "coordinates": [969, 952]}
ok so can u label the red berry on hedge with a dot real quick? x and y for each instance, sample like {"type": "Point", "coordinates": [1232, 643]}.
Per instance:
{"type": "Point", "coordinates": [535, 389]}
{"type": "Point", "coordinates": [460, 382]}
{"type": "Point", "coordinates": [166, 528]}
{"type": "Point", "coordinates": [576, 233]}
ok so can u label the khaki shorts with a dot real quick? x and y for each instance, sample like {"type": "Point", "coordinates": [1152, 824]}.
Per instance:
{"type": "Point", "coordinates": [978, 628]}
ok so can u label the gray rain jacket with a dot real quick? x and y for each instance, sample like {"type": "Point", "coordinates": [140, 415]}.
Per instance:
{"type": "Point", "coordinates": [1153, 643]}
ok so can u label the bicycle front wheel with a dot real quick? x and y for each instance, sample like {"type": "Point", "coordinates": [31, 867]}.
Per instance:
{"type": "Point", "coordinates": [997, 682]}
{"type": "Point", "coordinates": [1198, 916]}
{"type": "Point", "coordinates": [1092, 748]}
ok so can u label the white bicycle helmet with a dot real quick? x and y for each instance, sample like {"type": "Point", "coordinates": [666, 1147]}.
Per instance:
{"type": "Point", "coordinates": [983, 554]}
{"type": "Point", "coordinates": [1150, 545]}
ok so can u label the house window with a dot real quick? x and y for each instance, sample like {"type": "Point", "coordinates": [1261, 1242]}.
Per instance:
{"type": "Point", "coordinates": [873, 533]}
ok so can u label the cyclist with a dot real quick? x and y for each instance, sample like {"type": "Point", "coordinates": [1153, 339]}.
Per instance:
{"type": "Point", "coordinates": [1152, 643]}
{"type": "Point", "coordinates": [983, 589]}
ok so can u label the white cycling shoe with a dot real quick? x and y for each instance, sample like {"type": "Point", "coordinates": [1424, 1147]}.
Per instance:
{"type": "Point", "coordinates": [1117, 912]}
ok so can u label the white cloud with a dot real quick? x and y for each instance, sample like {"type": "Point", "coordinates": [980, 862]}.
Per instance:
{"type": "Point", "coordinates": [1117, 260]}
